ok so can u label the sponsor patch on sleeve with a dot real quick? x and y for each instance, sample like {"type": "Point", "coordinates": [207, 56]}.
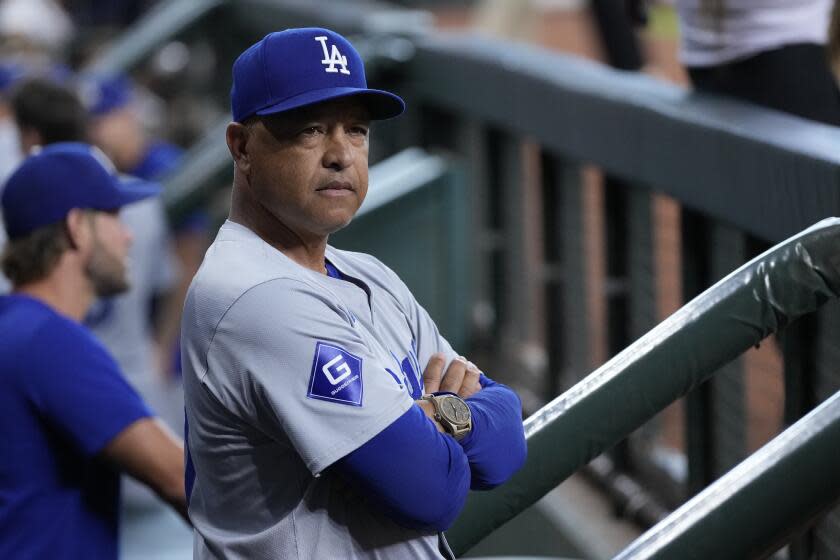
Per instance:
{"type": "Point", "coordinates": [336, 376]}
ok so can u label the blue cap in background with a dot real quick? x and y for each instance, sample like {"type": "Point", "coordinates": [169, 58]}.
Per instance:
{"type": "Point", "coordinates": [63, 176]}
{"type": "Point", "coordinates": [298, 67]}
{"type": "Point", "coordinates": [102, 94]}
{"type": "Point", "coordinates": [11, 72]}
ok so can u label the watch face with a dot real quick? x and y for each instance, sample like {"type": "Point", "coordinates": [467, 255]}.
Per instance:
{"type": "Point", "coordinates": [455, 410]}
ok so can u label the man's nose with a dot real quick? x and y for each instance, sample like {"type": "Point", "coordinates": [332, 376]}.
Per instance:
{"type": "Point", "coordinates": [339, 152]}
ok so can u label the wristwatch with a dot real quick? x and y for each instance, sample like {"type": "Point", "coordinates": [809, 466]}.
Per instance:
{"type": "Point", "coordinates": [452, 413]}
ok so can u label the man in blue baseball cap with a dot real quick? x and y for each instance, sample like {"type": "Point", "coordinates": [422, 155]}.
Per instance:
{"type": "Point", "coordinates": [69, 420]}
{"type": "Point", "coordinates": [117, 128]}
{"type": "Point", "coordinates": [326, 415]}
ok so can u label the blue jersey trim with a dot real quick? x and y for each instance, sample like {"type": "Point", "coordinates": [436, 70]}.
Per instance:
{"type": "Point", "coordinates": [332, 271]}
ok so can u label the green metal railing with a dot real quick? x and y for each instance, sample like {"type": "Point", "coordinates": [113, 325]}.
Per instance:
{"type": "Point", "coordinates": [787, 484]}
{"type": "Point", "coordinates": [164, 22]}
{"type": "Point", "coordinates": [763, 296]}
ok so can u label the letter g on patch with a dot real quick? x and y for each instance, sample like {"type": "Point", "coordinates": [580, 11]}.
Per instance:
{"type": "Point", "coordinates": [336, 376]}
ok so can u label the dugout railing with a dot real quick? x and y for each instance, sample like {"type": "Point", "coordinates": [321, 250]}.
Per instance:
{"type": "Point", "coordinates": [751, 510]}
{"type": "Point", "coordinates": [546, 239]}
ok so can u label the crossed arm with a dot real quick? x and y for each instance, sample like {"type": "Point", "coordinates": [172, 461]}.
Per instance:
{"type": "Point", "coordinates": [420, 475]}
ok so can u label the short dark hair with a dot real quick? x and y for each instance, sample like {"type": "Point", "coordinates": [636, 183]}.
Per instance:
{"type": "Point", "coordinates": [34, 256]}
{"type": "Point", "coordinates": [51, 109]}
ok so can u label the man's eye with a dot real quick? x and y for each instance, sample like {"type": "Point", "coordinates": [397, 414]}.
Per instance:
{"type": "Point", "coordinates": [311, 131]}
{"type": "Point", "coordinates": [359, 130]}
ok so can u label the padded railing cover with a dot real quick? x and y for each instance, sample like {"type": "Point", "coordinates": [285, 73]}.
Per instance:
{"type": "Point", "coordinates": [790, 280]}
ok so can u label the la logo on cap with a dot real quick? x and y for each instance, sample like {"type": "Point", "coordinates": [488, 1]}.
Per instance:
{"type": "Point", "coordinates": [332, 58]}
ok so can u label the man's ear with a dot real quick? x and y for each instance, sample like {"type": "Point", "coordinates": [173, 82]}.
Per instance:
{"type": "Point", "coordinates": [237, 136]}
{"type": "Point", "coordinates": [78, 228]}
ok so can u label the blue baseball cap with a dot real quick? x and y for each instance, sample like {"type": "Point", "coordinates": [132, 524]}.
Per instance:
{"type": "Point", "coordinates": [102, 94]}
{"type": "Point", "coordinates": [63, 176]}
{"type": "Point", "coordinates": [11, 72]}
{"type": "Point", "coordinates": [299, 67]}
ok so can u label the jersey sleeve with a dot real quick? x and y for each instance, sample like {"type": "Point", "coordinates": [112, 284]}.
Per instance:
{"type": "Point", "coordinates": [77, 387]}
{"type": "Point", "coordinates": [288, 360]}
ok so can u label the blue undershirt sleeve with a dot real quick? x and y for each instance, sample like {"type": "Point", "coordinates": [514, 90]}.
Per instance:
{"type": "Point", "coordinates": [418, 475]}
{"type": "Point", "coordinates": [496, 445]}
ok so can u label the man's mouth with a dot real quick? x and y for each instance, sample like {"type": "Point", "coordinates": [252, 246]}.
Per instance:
{"type": "Point", "coordinates": [337, 188]}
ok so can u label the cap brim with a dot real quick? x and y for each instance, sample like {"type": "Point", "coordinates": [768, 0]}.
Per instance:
{"type": "Point", "coordinates": [131, 189]}
{"type": "Point", "coordinates": [381, 104]}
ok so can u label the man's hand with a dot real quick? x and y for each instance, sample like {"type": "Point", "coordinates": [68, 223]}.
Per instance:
{"type": "Point", "coordinates": [461, 378]}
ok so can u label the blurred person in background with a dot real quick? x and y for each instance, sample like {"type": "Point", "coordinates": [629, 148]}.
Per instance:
{"type": "Point", "coordinates": [47, 112]}
{"type": "Point", "coordinates": [131, 324]}
{"type": "Point", "coordinates": [41, 112]}
{"type": "Point", "coordinates": [769, 52]}
{"type": "Point", "coordinates": [10, 154]}
{"type": "Point", "coordinates": [514, 20]}
{"type": "Point", "coordinates": [106, 13]}
{"type": "Point", "coordinates": [69, 420]}
{"type": "Point", "coordinates": [834, 41]}
{"type": "Point", "coordinates": [36, 29]}
{"type": "Point", "coordinates": [34, 110]}
{"type": "Point", "coordinates": [116, 127]}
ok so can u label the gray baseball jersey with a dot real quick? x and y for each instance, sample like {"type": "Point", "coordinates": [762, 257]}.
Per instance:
{"type": "Point", "coordinates": [287, 371]}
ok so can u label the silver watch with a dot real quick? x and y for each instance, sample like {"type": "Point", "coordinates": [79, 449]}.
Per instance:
{"type": "Point", "coordinates": [452, 413]}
